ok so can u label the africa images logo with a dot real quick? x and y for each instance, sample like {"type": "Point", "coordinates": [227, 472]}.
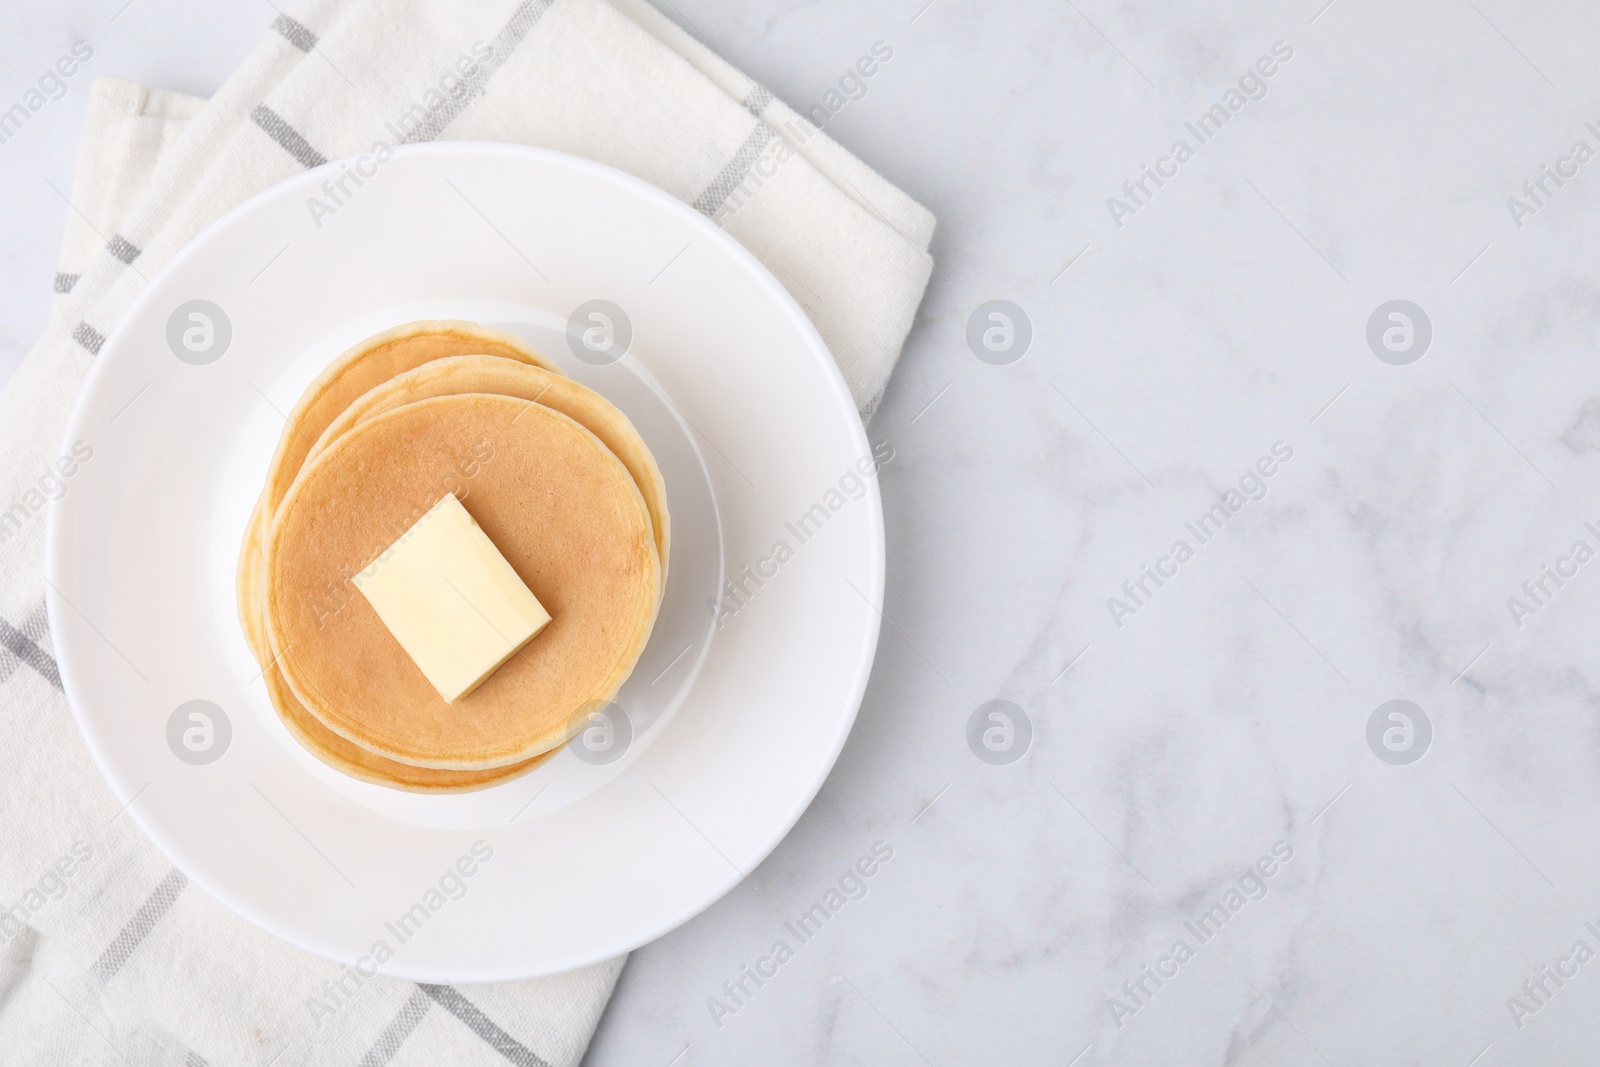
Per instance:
{"type": "Point", "coordinates": [1252, 85]}
{"type": "Point", "coordinates": [453, 883]}
{"type": "Point", "coordinates": [1252, 486]}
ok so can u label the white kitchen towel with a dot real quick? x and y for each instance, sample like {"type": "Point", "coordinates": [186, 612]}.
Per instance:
{"type": "Point", "coordinates": [106, 953]}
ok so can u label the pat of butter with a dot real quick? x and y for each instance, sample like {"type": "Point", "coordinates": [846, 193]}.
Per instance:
{"type": "Point", "coordinates": [452, 601]}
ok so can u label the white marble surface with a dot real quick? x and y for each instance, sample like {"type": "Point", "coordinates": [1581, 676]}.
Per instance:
{"type": "Point", "coordinates": [1229, 713]}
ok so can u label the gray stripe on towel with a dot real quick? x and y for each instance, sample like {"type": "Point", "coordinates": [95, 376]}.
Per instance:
{"type": "Point", "coordinates": [757, 99]}
{"type": "Point", "coordinates": [287, 136]}
{"type": "Point", "coordinates": [25, 647]}
{"type": "Point", "coordinates": [295, 33]}
{"type": "Point", "coordinates": [479, 1023]}
{"type": "Point", "coordinates": [88, 337]}
{"type": "Point", "coordinates": [733, 174]}
{"type": "Point", "coordinates": [394, 1035]}
{"type": "Point", "coordinates": [123, 248]}
{"type": "Point", "coordinates": [144, 920]}
{"type": "Point", "coordinates": [433, 123]}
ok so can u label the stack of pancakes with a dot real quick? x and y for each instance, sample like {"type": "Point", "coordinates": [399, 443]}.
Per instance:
{"type": "Point", "coordinates": [556, 477]}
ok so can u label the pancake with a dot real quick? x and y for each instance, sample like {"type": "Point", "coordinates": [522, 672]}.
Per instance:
{"type": "Point", "coordinates": [506, 377]}
{"type": "Point", "coordinates": [444, 376]}
{"type": "Point", "coordinates": [357, 762]}
{"type": "Point", "coordinates": [358, 369]}
{"type": "Point", "coordinates": [336, 751]}
{"type": "Point", "coordinates": [247, 585]}
{"type": "Point", "coordinates": [563, 510]}
{"type": "Point", "coordinates": [402, 347]}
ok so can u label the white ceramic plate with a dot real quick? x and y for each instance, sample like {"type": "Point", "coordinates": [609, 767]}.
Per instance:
{"type": "Point", "coordinates": [732, 728]}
